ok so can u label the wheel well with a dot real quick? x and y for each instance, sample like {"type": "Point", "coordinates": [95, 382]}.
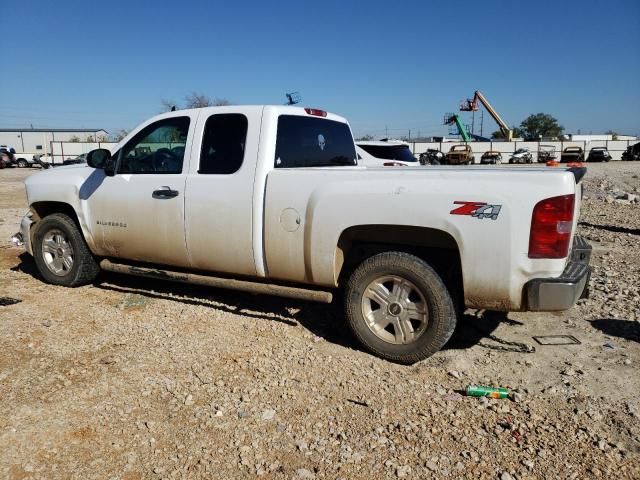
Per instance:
{"type": "Point", "coordinates": [42, 209]}
{"type": "Point", "coordinates": [436, 247]}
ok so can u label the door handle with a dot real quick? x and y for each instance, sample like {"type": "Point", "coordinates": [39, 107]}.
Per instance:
{"type": "Point", "coordinates": [165, 192]}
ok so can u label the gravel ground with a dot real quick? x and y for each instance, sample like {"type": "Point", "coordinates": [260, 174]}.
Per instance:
{"type": "Point", "coordinates": [136, 379]}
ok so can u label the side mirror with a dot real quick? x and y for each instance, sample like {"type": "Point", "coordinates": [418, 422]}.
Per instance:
{"type": "Point", "coordinates": [101, 158]}
{"type": "Point", "coordinates": [12, 150]}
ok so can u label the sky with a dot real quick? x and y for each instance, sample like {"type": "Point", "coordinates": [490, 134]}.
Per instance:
{"type": "Point", "coordinates": [388, 67]}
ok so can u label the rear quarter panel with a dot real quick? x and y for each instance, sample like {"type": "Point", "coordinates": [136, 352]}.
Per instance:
{"type": "Point", "coordinates": [306, 210]}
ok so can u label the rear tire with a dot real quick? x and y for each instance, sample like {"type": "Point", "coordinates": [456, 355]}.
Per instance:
{"type": "Point", "coordinates": [398, 307]}
{"type": "Point", "coordinates": [22, 163]}
{"type": "Point", "coordinates": [61, 253]}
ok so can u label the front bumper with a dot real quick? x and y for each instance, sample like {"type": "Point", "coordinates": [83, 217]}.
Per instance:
{"type": "Point", "coordinates": [23, 238]}
{"type": "Point", "coordinates": [561, 293]}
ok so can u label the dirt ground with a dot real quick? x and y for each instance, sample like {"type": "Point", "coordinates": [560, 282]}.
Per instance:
{"type": "Point", "coordinates": [131, 379]}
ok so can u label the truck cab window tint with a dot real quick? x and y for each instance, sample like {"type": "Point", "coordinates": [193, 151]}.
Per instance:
{"type": "Point", "coordinates": [223, 144]}
{"type": "Point", "coordinates": [313, 142]}
{"type": "Point", "coordinates": [158, 148]}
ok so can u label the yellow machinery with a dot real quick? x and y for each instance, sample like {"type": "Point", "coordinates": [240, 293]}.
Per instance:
{"type": "Point", "coordinates": [471, 105]}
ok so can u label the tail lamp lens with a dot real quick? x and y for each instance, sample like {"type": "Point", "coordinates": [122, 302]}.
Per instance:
{"type": "Point", "coordinates": [551, 225]}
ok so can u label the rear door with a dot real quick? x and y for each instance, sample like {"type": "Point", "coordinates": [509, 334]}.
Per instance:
{"type": "Point", "coordinates": [219, 202]}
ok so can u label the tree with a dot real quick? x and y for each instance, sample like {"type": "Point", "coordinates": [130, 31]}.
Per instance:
{"type": "Point", "coordinates": [365, 138]}
{"type": "Point", "coordinates": [120, 135]}
{"type": "Point", "coordinates": [193, 100]}
{"type": "Point", "coordinates": [74, 138]}
{"type": "Point", "coordinates": [221, 102]}
{"type": "Point", "coordinates": [540, 125]}
{"type": "Point", "coordinates": [90, 138]}
{"type": "Point", "coordinates": [167, 105]}
{"type": "Point", "coordinates": [102, 138]}
{"type": "Point", "coordinates": [614, 135]}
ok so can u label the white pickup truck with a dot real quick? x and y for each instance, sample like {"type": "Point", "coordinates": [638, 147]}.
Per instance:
{"type": "Point", "coordinates": [269, 199]}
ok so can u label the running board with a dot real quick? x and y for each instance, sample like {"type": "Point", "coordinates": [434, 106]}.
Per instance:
{"type": "Point", "coordinates": [321, 296]}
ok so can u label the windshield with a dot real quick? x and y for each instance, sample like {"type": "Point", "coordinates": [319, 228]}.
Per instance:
{"type": "Point", "coordinates": [390, 152]}
{"type": "Point", "coordinates": [458, 148]}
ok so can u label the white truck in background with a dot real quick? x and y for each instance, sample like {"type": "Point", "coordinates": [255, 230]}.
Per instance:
{"type": "Point", "coordinates": [269, 199]}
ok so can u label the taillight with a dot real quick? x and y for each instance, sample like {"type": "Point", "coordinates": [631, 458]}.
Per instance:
{"type": "Point", "coordinates": [393, 164]}
{"type": "Point", "coordinates": [316, 112]}
{"type": "Point", "coordinates": [551, 225]}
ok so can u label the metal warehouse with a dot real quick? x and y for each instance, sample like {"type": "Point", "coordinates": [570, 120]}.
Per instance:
{"type": "Point", "coordinates": [38, 140]}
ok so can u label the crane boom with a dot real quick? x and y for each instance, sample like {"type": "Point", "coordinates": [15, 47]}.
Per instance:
{"type": "Point", "coordinates": [449, 119]}
{"type": "Point", "coordinates": [472, 105]}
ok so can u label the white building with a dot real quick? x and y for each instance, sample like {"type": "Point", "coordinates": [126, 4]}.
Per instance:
{"type": "Point", "coordinates": [31, 141]}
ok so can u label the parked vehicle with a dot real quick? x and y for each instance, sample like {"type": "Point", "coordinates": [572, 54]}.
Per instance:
{"type": "Point", "coordinates": [632, 152]}
{"type": "Point", "coordinates": [389, 153]}
{"type": "Point", "coordinates": [521, 155]}
{"type": "Point", "coordinates": [432, 156]}
{"type": "Point", "coordinates": [459, 155]}
{"type": "Point", "coordinates": [491, 157]}
{"type": "Point", "coordinates": [599, 154]}
{"type": "Point", "coordinates": [402, 244]}
{"type": "Point", "coordinates": [546, 153]}
{"type": "Point", "coordinates": [7, 156]}
{"type": "Point", "coordinates": [82, 158]}
{"type": "Point", "coordinates": [572, 154]}
{"type": "Point", "coordinates": [15, 159]}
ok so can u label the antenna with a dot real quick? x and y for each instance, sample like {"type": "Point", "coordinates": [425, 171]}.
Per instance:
{"type": "Point", "coordinates": [293, 98]}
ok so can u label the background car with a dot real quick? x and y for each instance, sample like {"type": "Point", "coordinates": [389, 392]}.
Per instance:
{"type": "Point", "coordinates": [599, 154]}
{"type": "Point", "coordinates": [491, 157]}
{"type": "Point", "coordinates": [7, 157]}
{"type": "Point", "coordinates": [521, 155]}
{"type": "Point", "coordinates": [572, 154]}
{"type": "Point", "coordinates": [632, 152]}
{"type": "Point", "coordinates": [385, 153]}
{"type": "Point", "coordinates": [546, 153]}
{"type": "Point", "coordinates": [460, 155]}
{"type": "Point", "coordinates": [82, 158]}
{"type": "Point", "coordinates": [432, 156]}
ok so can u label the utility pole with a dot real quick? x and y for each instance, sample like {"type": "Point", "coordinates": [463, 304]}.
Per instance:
{"type": "Point", "coordinates": [473, 121]}
{"type": "Point", "coordinates": [409, 134]}
{"type": "Point", "coordinates": [481, 121]}
{"type": "Point", "coordinates": [386, 133]}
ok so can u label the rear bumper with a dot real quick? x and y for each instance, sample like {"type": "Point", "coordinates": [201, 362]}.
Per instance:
{"type": "Point", "coordinates": [561, 293]}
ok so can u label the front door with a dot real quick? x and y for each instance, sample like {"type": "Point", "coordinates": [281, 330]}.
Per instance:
{"type": "Point", "coordinates": [138, 214]}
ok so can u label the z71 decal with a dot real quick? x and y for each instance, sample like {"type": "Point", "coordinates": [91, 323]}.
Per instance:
{"type": "Point", "coordinates": [477, 209]}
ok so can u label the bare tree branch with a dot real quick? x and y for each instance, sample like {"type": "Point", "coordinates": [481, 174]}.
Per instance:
{"type": "Point", "coordinates": [197, 100]}
{"type": "Point", "coordinates": [167, 105]}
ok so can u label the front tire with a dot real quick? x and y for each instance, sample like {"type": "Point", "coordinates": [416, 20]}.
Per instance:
{"type": "Point", "coordinates": [398, 307]}
{"type": "Point", "coordinates": [61, 253]}
{"type": "Point", "coordinates": [22, 163]}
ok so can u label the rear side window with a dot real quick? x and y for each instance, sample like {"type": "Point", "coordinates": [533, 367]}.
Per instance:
{"type": "Point", "coordinates": [313, 142]}
{"type": "Point", "coordinates": [223, 144]}
{"type": "Point", "coordinates": [391, 152]}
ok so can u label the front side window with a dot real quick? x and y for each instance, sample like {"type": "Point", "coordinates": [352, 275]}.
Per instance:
{"type": "Point", "coordinates": [313, 142]}
{"type": "Point", "coordinates": [223, 144]}
{"type": "Point", "coordinates": [157, 148]}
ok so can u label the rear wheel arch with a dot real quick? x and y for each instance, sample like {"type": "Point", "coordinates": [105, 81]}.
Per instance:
{"type": "Point", "coordinates": [436, 247]}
